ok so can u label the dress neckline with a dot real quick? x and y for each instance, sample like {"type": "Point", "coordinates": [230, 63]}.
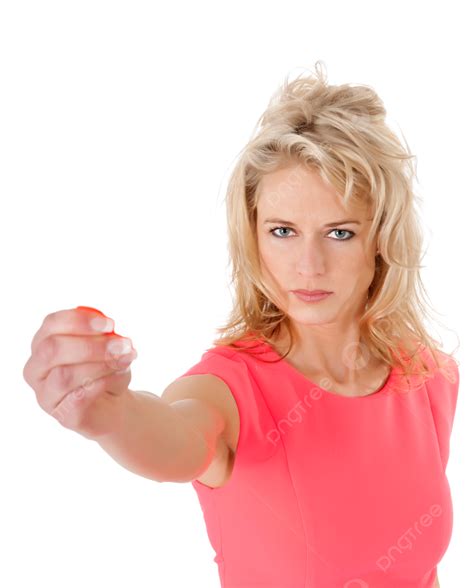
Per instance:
{"type": "Point", "coordinates": [383, 389]}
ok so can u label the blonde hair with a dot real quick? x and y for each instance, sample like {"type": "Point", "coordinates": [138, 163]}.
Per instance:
{"type": "Point", "coordinates": [339, 130]}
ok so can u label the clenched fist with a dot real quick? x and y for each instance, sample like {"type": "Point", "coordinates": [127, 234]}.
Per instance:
{"type": "Point", "coordinates": [79, 370]}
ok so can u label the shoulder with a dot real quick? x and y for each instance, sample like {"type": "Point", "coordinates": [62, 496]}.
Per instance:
{"type": "Point", "coordinates": [241, 396]}
{"type": "Point", "coordinates": [444, 368]}
{"type": "Point", "coordinates": [220, 377]}
{"type": "Point", "coordinates": [442, 382]}
{"type": "Point", "coordinates": [442, 387]}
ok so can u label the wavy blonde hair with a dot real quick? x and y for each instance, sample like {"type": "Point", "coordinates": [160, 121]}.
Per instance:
{"type": "Point", "coordinates": [339, 130]}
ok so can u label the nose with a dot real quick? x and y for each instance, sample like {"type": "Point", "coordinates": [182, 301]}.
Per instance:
{"type": "Point", "coordinates": [311, 259]}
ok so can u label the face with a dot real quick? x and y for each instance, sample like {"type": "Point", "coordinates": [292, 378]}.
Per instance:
{"type": "Point", "coordinates": [303, 253]}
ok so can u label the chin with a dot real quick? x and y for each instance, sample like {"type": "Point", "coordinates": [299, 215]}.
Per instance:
{"type": "Point", "coordinates": [310, 317]}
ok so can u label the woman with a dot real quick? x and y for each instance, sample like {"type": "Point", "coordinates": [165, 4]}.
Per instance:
{"type": "Point", "coordinates": [333, 455]}
{"type": "Point", "coordinates": [316, 429]}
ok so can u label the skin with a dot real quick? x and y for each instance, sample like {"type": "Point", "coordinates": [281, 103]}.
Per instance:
{"type": "Point", "coordinates": [309, 256]}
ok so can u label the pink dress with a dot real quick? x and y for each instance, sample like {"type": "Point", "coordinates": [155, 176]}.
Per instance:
{"type": "Point", "coordinates": [330, 491]}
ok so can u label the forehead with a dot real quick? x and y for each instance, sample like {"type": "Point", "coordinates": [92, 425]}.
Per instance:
{"type": "Point", "coordinates": [297, 191]}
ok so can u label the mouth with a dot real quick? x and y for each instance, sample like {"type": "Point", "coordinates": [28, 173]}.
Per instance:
{"type": "Point", "coordinates": [320, 295]}
{"type": "Point", "coordinates": [311, 292]}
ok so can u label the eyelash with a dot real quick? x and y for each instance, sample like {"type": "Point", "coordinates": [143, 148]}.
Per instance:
{"type": "Point", "coordinates": [336, 229]}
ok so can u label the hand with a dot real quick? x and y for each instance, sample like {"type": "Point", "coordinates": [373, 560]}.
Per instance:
{"type": "Point", "coordinates": [76, 377]}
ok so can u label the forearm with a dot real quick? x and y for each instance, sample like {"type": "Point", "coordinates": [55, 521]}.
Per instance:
{"type": "Point", "coordinates": [150, 439]}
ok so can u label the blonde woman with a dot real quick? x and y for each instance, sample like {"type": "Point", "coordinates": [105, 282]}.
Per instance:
{"type": "Point", "coordinates": [315, 429]}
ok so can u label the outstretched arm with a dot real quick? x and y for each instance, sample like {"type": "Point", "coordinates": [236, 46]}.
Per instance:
{"type": "Point", "coordinates": [163, 438]}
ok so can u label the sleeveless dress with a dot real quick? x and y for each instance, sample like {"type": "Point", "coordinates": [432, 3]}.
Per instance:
{"type": "Point", "coordinates": [330, 491]}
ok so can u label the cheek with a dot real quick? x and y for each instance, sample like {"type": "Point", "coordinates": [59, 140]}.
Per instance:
{"type": "Point", "coordinates": [266, 254]}
{"type": "Point", "coordinates": [272, 266]}
{"type": "Point", "coordinates": [355, 256]}
{"type": "Point", "coordinates": [366, 277]}
{"type": "Point", "coordinates": [356, 267]}
{"type": "Point", "coordinates": [276, 264]}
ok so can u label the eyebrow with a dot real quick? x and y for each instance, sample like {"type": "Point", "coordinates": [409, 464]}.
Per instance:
{"type": "Point", "coordinates": [334, 224]}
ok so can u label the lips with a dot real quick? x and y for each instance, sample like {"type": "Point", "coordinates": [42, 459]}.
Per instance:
{"type": "Point", "coordinates": [312, 292]}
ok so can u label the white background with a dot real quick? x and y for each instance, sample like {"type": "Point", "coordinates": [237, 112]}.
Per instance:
{"type": "Point", "coordinates": [119, 125]}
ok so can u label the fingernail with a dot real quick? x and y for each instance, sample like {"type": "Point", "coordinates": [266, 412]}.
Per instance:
{"type": "Point", "coordinates": [119, 346]}
{"type": "Point", "coordinates": [102, 324]}
{"type": "Point", "coordinates": [124, 360]}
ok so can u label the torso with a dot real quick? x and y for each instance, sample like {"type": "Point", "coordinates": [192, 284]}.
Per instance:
{"type": "Point", "coordinates": [220, 470]}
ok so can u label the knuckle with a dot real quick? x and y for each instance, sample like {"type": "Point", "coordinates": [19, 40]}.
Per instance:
{"type": "Point", "coordinates": [62, 375]}
{"type": "Point", "coordinates": [65, 414]}
{"type": "Point", "coordinates": [69, 412]}
{"type": "Point", "coordinates": [87, 383]}
{"type": "Point", "coordinates": [49, 319]}
{"type": "Point", "coordinates": [46, 349]}
{"type": "Point", "coordinates": [26, 371]}
{"type": "Point", "coordinates": [86, 348]}
{"type": "Point", "coordinates": [45, 396]}
{"type": "Point", "coordinates": [43, 404]}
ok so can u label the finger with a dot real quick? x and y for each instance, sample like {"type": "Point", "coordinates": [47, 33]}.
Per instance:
{"type": "Point", "coordinates": [82, 320]}
{"type": "Point", "coordinates": [62, 379]}
{"type": "Point", "coordinates": [60, 350]}
{"type": "Point", "coordinates": [91, 409]}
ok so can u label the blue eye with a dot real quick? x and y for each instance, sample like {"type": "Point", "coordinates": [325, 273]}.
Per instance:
{"type": "Point", "coordinates": [272, 231]}
{"type": "Point", "coordinates": [344, 231]}
{"type": "Point", "coordinates": [350, 233]}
